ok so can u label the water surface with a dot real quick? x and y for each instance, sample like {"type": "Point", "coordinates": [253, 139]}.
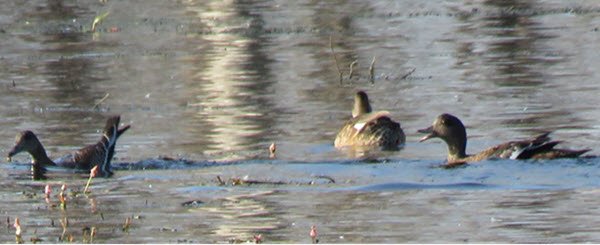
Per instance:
{"type": "Point", "coordinates": [216, 82]}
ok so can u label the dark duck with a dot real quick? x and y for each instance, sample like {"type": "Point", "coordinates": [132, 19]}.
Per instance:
{"type": "Point", "coordinates": [85, 158]}
{"type": "Point", "coordinates": [452, 131]}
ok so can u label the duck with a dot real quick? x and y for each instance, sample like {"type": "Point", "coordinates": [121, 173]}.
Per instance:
{"type": "Point", "coordinates": [369, 128]}
{"type": "Point", "coordinates": [85, 158]}
{"type": "Point", "coordinates": [452, 131]}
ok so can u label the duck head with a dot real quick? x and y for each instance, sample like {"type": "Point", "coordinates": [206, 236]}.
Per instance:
{"type": "Point", "coordinates": [25, 141]}
{"type": "Point", "coordinates": [452, 131]}
{"type": "Point", "coordinates": [361, 104]}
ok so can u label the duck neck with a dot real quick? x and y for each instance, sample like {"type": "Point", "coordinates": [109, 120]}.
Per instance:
{"type": "Point", "coordinates": [456, 150]}
{"type": "Point", "coordinates": [38, 172]}
{"type": "Point", "coordinates": [361, 106]}
{"type": "Point", "coordinates": [39, 156]}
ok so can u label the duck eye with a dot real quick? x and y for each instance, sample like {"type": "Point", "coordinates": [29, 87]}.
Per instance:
{"type": "Point", "coordinates": [446, 122]}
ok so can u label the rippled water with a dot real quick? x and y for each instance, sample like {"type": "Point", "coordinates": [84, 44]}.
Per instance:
{"type": "Point", "coordinates": [216, 82]}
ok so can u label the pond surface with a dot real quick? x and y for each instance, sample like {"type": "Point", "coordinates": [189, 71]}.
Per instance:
{"type": "Point", "coordinates": [208, 85]}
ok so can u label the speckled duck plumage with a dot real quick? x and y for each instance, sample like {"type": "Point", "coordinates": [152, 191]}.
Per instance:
{"type": "Point", "coordinates": [452, 131]}
{"type": "Point", "coordinates": [85, 158]}
{"type": "Point", "coordinates": [368, 128]}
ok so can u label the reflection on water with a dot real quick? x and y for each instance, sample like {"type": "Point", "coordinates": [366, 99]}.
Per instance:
{"type": "Point", "coordinates": [516, 57]}
{"type": "Point", "coordinates": [229, 79]}
{"type": "Point", "coordinates": [244, 216]}
{"type": "Point", "coordinates": [221, 80]}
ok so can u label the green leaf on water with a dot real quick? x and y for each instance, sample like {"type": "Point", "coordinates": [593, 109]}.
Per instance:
{"type": "Point", "coordinates": [98, 19]}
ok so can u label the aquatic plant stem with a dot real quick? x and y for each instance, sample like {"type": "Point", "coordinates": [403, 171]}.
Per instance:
{"type": "Point", "coordinates": [340, 73]}
{"type": "Point", "coordinates": [93, 173]}
{"type": "Point", "coordinates": [85, 190]}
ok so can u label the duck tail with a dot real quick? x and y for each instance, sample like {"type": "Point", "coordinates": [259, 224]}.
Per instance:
{"type": "Point", "coordinates": [541, 139]}
{"type": "Point", "coordinates": [566, 153]}
{"type": "Point", "coordinates": [112, 132]}
{"type": "Point", "coordinates": [547, 151]}
{"type": "Point", "coordinates": [122, 130]}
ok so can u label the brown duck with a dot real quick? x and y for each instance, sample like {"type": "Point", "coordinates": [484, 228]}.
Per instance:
{"type": "Point", "coordinates": [85, 158]}
{"type": "Point", "coordinates": [451, 130]}
{"type": "Point", "coordinates": [368, 128]}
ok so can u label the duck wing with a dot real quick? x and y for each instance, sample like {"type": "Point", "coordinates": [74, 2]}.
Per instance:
{"type": "Point", "coordinates": [371, 129]}
{"type": "Point", "coordinates": [360, 122]}
{"type": "Point", "coordinates": [542, 147]}
{"type": "Point", "coordinates": [539, 147]}
{"type": "Point", "coordinates": [85, 158]}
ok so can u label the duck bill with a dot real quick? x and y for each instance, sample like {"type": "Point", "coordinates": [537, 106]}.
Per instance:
{"type": "Point", "coordinates": [14, 151]}
{"type": "Point", "coordinates": [430, 133]}
{"type": "Point", "coordinates": [11, 153]}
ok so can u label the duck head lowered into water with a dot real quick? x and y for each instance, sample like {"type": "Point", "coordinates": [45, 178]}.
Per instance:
{"type": "Point", "coordinates": [368, 128]}
{"type": "Point", "coordinates": [452, 131]}
{"type": "Point", "coordinates": [85, 158]}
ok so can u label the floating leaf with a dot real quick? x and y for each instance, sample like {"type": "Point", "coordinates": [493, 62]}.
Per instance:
{"type": "Point", "coordinates": [98, 19]}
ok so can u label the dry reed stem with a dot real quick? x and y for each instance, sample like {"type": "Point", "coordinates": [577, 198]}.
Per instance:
{"type": "Point", "coordinates": [100, 102]}
{"type": "Point", "coordinates": [340, 73]}
{"type": "Point", "coordinates": [408, 74]}
{"type": "Point", "coordinates": [352, 69]}
{"type": "Point", "coordinates": [372, 71]}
